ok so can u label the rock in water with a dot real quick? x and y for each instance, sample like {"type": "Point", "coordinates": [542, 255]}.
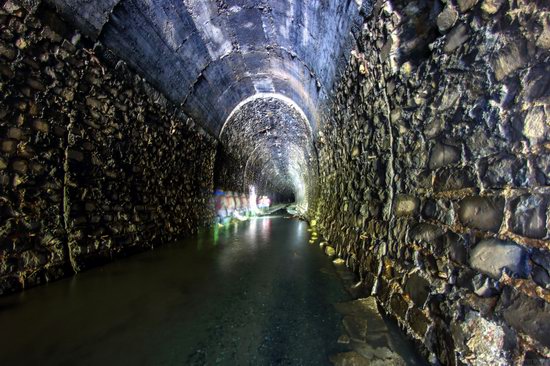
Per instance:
{"type": "Point", "coordinates": [349, 359]}
{"type": "Point", "coordinates": [356, 327]}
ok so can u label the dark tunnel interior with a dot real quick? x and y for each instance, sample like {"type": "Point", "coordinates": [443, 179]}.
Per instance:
{"type": "Point", "coordinates": [214, 58]}
{"type": "Point", "coordinates": [412, 137]}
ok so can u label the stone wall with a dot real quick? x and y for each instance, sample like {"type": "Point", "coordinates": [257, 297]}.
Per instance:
{"type": "Point", "coordinates": [94, 163]}
{"type": "Point", "coordinates": [435, 171]}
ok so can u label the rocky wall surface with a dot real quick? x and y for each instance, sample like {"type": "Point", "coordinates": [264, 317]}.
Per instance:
{"type": "Point", "coordinates": [228, 172]}
{"type": "Point", "coordinates": [434, 173]}
{"type": "Point", "coordinates": [94, 163]}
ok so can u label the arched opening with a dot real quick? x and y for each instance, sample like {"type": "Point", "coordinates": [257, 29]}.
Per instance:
{"type": "Point", "coordinates": [270, 144]}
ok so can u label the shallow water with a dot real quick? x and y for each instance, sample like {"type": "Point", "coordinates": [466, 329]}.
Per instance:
{"type": "Point", "coordinates": [253, 293]}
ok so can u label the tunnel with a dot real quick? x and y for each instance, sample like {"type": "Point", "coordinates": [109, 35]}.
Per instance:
{"type": "Point", "coordinates": [286, 182]}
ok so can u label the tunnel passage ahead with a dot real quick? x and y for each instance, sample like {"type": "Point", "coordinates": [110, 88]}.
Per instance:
{"type": "Point", "coordinates": [210, 56]}
{"type": "Point", "coordinates": [111, 112]}
{"type": "Point", "coordinates": [430, 137]}
{"type": "Point", "coordinates": [273, 138]}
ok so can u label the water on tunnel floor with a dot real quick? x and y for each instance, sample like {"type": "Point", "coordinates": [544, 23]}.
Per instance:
{"type": "Point", "coordinates": [252, 293]}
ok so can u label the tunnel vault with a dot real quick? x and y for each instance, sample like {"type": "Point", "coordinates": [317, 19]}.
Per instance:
{"type": "Point", "coordinates": [209, 56]}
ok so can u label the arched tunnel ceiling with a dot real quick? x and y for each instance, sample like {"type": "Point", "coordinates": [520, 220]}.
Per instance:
{"type": "Point", "coordinates": [209, 55]}
{"type": "Point", "coordinates": [261, 122]}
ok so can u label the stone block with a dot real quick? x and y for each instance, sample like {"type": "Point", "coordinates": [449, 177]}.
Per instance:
{"type": "Point", "coordinates": [510, 58]}
{"type": "Point", "coordinates": [489, 341]}
{"type": "Point", "coordinates": [542, 169]}
{"type": "Point", "coordinates": [542, 258]}
{"type": "Point", "coordinates": [8, 146]}
{"type": "Point", "coordinates": [418, 289]}
{"type": "Point", "coordinates": [484, 286]}
{"type": "Point", "coordinates": [439, 210]}
{"type": "Point", "coordinates": [7, 51]}
{"type": "Point", "coordinates": [526, 314]}
{"type": "Point", "coordinates": [528, 216]}
{"type": "Point", "coordinates": [535, 125]}
{"type": "Point", "coordinates": [541, 277]}
{"type": "Point", "coordinates": [456, 38]}
{"type": "Point", "coordinates": [447, 18]}
{"type": "Point", "coordinates": [418, 321]}
{"type": "Point", "coordinates": [14, 133]}
{"type": "Point", "coordinates": [399, 306]}
{"type": "Point", "coordinates": [451, 179]}
{"type": "Point", "coordinates": [20, 166]}
{"type": "Point", "coordinates": [536, 85]}
{"type": "Point", "coordinates": [425, 233]}
{"type": "Point", "coordinates": [406, 205]}
{"type": "Point", "coordinates": [492, 256]}
{"type": "Point", "coordinates": [383, 291]}
{"type": "Point", "coordinates": [491, 7]}
{"type": "Point", "coordinates": [483, 213]}
{"type": "Point", "coordinates": [541, 267]}
{"type": "Point", "coordinates": [75, 155]}
{"type": "Point", "coordinates": [456, 247]}
{"type": "Point", "coordinates": [501, 170]}
{"type": "Point", "coordinates": [465, 5]}
{"type": "Point", "coordinates": [443, 155]}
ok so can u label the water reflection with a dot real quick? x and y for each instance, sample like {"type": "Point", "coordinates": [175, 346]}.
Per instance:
{"type": "Point", "coordinates": [216, 235]}
{"type": "Point", "coordinates": [250, 293]}
{"type": "Point", "coordinates": [242, 245]}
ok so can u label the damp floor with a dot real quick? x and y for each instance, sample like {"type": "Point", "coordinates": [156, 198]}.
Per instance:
{"type": "Point", "coordinates": [252, 293]}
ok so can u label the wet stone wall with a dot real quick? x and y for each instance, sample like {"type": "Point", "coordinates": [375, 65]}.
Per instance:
{"type": "Point", "coordinates": [435, 170]}
{"type": "Point", "coordinates": [94, 163]}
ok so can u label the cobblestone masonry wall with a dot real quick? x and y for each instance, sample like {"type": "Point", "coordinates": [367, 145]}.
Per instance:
{"type": "Point", "coordinates": [435, 172]}
{"type": "Point", "coordinates": [94, 163]}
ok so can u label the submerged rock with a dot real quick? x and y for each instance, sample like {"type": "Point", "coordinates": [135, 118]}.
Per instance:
{"type": "Point", "coordinates": [356, 327]}
{"type": "Point", "coordinates": [379, 355]}
{"type": "Point", "coordinates": [359, 307]}
{"type": "Point", "coordinates": [349, 359]}
{"type": "Point", "coordinates": [344, 339]}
